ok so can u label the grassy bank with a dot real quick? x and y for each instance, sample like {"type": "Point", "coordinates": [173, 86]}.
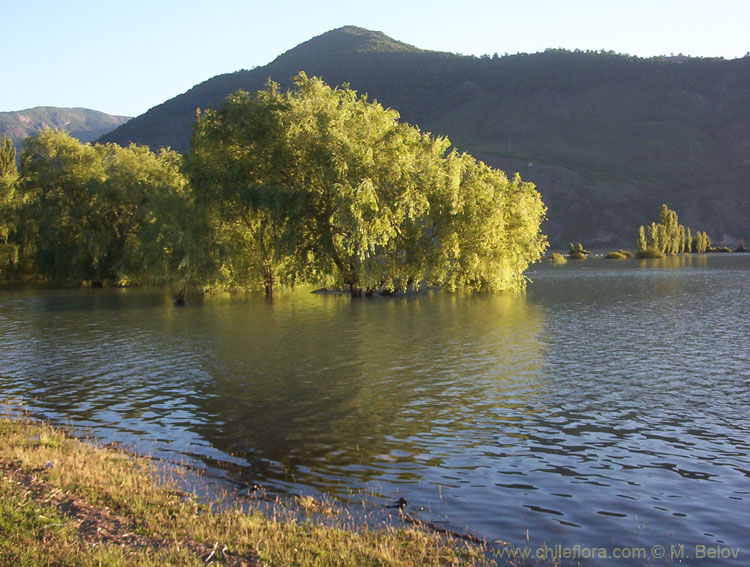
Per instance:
{"type": "Point", "coordinates": [72, 503]}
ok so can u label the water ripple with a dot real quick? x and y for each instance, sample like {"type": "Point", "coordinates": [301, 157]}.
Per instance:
{"type": "Point", "coordinates": [607, 405]}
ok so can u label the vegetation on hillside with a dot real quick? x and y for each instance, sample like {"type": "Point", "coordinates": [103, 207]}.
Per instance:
{"type": "Point", "coordinates": [316, 185]}
{"type": "Point", "coordinates": [606, 137]}
{"type": "Point", "coordinates": [81, 123]}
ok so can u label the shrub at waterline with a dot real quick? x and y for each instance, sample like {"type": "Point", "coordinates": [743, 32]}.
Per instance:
{"type": "Point", "coordinates": [619, 255]}
{"type": "Point", "coordinates": [557, 258]}
{"type": "Point", "coordinates": [577, 252]}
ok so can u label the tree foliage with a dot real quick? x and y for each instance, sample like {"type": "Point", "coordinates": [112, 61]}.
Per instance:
{"type": "Point", "coordinates": [319, 184]}
{"type": "Point", "coordinates": [8, 181]}
{"type": "Point", "coordinates": [316, 185]}
{"type": "Point", "coordinates": [88, 209]}
{"type": "Point", "coordinates": [669, 237]}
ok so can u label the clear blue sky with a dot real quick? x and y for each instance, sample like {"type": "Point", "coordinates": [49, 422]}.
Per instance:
{"type": "Point", "coordinates": [125, 56]}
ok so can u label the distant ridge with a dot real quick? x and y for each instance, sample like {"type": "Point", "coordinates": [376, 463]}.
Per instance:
{"type": "Point", "coordinates": [81, 123]}
{"type": "Point", "coordinates": [607, 138]}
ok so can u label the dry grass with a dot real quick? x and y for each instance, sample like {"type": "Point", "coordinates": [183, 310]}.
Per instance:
{"type": "Point", "coordinates": [67, 502]}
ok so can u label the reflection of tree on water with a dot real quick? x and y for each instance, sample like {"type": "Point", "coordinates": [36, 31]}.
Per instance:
{"type": "Point", "coordinates": [679, 261]}
{"type": "Point", "coordinates": [326, 387]}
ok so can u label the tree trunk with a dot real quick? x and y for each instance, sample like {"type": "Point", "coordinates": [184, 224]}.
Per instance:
{"type": "Point", "coordinates": [181, 296]}
{"type": "Point", "coordinates": [269, 280]}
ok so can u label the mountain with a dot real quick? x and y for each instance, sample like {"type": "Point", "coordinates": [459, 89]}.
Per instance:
{"type": "Point", "coordinates": [607, 138]}
{"type": "Point", "coordinates": [82, 123]}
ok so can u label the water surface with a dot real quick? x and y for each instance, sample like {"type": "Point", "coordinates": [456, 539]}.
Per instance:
{"type": "Point", "coordinates": [606, 407]}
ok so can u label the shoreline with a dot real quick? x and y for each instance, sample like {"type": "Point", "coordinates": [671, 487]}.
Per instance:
{"type": "Point", "coordinates": [68, 501]}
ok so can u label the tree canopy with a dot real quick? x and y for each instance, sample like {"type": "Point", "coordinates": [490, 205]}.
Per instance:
{"type": "Point", "coordinates": [8, 179]}
{"type": "Point", "coordinates": [315, 185]}
{"type": "Point", "coordinates": [90, 212]}
{"type": "Point", "coordinates": [319, 184]}
{"type": "Point", "coordinates": [8, 182]}
{"type": "Point", "coordinates": [668, 237]}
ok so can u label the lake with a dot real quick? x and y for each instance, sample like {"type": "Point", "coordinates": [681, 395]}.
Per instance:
{"type": "Point", "coordinates": [607, 407]}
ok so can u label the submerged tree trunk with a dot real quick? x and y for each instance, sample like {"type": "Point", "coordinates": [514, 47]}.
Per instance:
{"type": "Point", "coordinates": [268, 280]}
{"type": "Point", "coordinates": [181, 296]}
{"type": "Point", "coordinates": [355, 291]}
{"type": "Point", "coordinates": [351, 278]}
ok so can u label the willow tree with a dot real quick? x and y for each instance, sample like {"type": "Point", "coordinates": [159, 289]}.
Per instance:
{"type": "Point", "coordinates": [8, 171]}
{"type": "Point", "coordinates": [487, 227]}
{"type": "Point", "coordinates": [88, 207]}
{"type": "Point", "coordinates": [239, 172]}
{"type": "Point", "coordinates": [319, 184]}
{"type": "Point", "coordinates": [8, 181]}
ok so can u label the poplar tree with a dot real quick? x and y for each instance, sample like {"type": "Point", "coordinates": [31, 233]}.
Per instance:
{"type": "Point", "coordinates": [667, 236]}
{"type": "Point", "coordinates": [642, 244]}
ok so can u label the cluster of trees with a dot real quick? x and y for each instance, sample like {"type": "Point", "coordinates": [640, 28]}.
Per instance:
{"type": "Point", "coordinates": [668, 237]}
{"type": "Point", "coordinates": [314, 185]}
{"type": "Point", "coordinates": [96, 213]}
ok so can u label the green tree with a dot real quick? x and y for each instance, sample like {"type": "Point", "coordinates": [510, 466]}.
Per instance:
{"type": "Point", "coordinates": [321, 185]}
{"type": "Point", "coordinates": [701, 242]}
{"type": "Point", "coordinates": [240, 167]}
{"type": "Point", "coordinates": [681, 240]}
{"type": "Point", "coordinates": [177, 239]}
{"type": "Point", "coordinates": [653, 242]}
{"type": "Point", "coordinates": [667, 236]}
{"type": "Point", "coordinates": [8, 181]}
{"type": "Point", "coordinates": [487, 228]}
{"type": "Point", "coordinates": [642, 243]}
{"type": "Point", "coordinates": [58, 174]}
{"type": "Point", "coordinates": [86, 206]}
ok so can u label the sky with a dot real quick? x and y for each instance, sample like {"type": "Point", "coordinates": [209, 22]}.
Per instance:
{"type": "Point", "coordinates": [126, 56]}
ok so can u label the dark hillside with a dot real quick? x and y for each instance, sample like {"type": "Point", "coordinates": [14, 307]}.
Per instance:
{"type": "Point", "coordinates": [606, 137]}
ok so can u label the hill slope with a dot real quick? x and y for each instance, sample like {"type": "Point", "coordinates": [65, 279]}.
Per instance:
{"type": "Point", "coordinates": [82, 123]}
{"type": "Point", "coordinates": [606, 137]}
